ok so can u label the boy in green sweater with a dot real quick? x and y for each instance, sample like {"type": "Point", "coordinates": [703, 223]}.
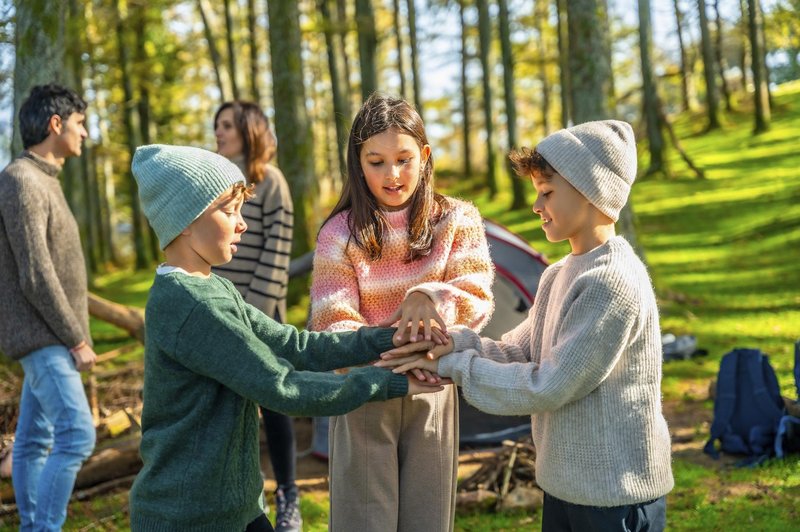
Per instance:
{"type": "Point", "coordinates": [211, 359]}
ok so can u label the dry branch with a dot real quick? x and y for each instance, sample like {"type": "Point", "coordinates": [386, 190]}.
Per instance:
{"type": "Point", "coordinates": [130, 319]}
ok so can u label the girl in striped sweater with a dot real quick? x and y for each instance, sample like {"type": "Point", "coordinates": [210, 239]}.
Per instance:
{"type": "Point", "coordinates": [260, 269]}
{"type": "Point", "coordinates": [392, 241]}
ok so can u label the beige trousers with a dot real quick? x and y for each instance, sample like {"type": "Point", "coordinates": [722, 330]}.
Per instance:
{"type": "Point", "coordinates": [393, 465]}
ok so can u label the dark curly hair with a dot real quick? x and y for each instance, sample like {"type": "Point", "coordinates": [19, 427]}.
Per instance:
{"type": "Point", "coordinates": [43, 102]}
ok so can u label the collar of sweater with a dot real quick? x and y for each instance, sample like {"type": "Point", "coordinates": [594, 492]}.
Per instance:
{"type": "Point", "coordinates": [397, 219]}
{"type": "Point", "coordinates": [616, 242]}
{"type": "Point", "coordinates": [50, 169]}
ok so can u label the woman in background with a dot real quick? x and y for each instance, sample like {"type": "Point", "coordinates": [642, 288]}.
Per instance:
{"type": "Point", "coordinates": [260, 268]}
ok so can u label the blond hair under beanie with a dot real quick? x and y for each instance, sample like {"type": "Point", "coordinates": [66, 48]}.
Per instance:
{"type": "Point", "coordinates": [598, 159]}
{"type": "Point", "coordinates": [178, 183]}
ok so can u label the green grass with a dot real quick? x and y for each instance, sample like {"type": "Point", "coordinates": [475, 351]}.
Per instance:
{"type": "Point", "coordinates": [723, 253]}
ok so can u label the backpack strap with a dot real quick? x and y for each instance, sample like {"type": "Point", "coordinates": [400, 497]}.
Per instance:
{"type": "Point", "coordinates": [797, 368]}
{"type": "Point", "coordinates": [724, 401]}
{"type": "Point", "coordinates": [765, 389]}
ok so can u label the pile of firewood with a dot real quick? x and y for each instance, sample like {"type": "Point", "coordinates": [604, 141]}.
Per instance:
{"type": "Point", "coordinates": [506, 480]}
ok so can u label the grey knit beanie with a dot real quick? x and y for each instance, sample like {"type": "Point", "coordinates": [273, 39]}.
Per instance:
{"type": "Point", "coordinates": [598, 159]}
{"type": "Point", "coordinates": [178, 183]}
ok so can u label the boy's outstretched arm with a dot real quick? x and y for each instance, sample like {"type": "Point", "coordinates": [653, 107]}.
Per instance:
{"type": "Point", "coordinates": [213, 343]}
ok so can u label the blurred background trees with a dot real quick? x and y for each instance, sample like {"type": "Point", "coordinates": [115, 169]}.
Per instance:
{"type": "Point", "coordinates": [487, 75]}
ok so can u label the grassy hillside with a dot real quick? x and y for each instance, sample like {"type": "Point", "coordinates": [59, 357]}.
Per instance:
{"type": "Point", "coordinates": [724, 254]}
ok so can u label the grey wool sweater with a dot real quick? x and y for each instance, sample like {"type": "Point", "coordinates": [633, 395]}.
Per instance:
{"type": "Point", "coordinates": [586, 365]}
{"type": "Point", "coordinates": [43, 298]}
{"type": "Point", "coordinates": [210, 360]}
{"type": "Point", "coordinates": [260, 269]}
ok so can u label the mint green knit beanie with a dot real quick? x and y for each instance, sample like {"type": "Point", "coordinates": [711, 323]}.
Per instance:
{"type": "Point", "coordinates": [178, 183]}
{"type": "Point", "coordinates": [598, 159]}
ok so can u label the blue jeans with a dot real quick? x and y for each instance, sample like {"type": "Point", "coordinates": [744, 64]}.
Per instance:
{"type": "Point", "coordinates": [55, 434]}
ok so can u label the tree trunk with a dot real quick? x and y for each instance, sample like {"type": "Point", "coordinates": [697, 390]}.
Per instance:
{"type": "Point", "coordinates": [367, 47]}
{"type": "Point", "coordinates": [412, 37]}
{"type": "Point", "coordinates": [563, 63]}
{"type": "Point", "coordinates": [591, 83]}
{"type": "Point", "coordinates": [103, 164]}
{"type": "Point", "coordinates": [744, 47]}
{"type": "Point", "coordinates": [39, 48]}
{"type": "Point", "coordinates": [341, 20]}
{"type": "Point", "coordinates": [340, 112]}
{"type": "Point", "coordinates": [465, 92]}
{"type": "Point", "coordinates": [686, 70]}
{"type": "Point", "coordinates": [143, 105]}
{"type": "Point", "coordinates": [399, 36]}
{"type": "Point", "coordinates": [655, 139]}
{"type": "Point", "coordinates": [721, 63]}
{"type": "Point", "coordinates": [589, 67]}
{"type": "Point", "coordinates": [485, 34]}
{"type": "Point", "coordinates": [518, 199]}
{"type": "Point", "coordinates": [708, 69]}
{"type": "Point", "coordinates": [540, 18]}
{"type": "Point", "coordinates": [231, 50]}
{"type": "Point", "coordinates": [132, 133]}
{"type": "Point", "coordinates": [251, 30]}
{"type": "Point", "coordinates": [76, 169]}
{"type": "Point", "coordinates": [216, 59]}
{"type": "Point", "coordinates": [761, 97]}
{"type": "Point", "coordinates": [764, 51]}
{"type": "Point", "coordinates": [292, 127]}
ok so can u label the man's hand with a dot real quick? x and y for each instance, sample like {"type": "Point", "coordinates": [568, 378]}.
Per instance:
{"type": "Point", "coordinates": [416, 308]}
{"type": "Point", "coordinates": [84, 356]}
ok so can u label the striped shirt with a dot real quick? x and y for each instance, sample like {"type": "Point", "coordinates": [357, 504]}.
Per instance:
{"type": "Point", "coordinates": [260, 268]}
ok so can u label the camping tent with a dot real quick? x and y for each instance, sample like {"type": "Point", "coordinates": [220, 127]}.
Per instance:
{"type": "Point", "coordinates": [518, 268]}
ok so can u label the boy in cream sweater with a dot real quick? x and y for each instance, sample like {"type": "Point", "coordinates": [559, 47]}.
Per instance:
{"type": "Point", "coordinates": [586, 363]}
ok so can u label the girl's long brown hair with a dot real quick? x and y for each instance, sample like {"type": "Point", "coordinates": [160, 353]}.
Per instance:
{"type": "Point", "coordinates": [258, 142]}
{"type": "Point", "coordinates": [366, 220]}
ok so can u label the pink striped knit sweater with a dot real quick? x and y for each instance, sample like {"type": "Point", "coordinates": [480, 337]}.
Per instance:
{"type": "Point", "coordinates": [349, 291]}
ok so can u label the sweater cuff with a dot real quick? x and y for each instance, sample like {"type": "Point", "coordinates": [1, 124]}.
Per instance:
{"type": "Point", "coordinates": [450, 367]}
{"type": "Point", "coordinates": [398, 386]}
{"type": "Point", "coordinates": [383, 337]}
{"type": "Point", "coordinates": [465, 338]}
{"type": "Point", "coordinates": [429, 289]}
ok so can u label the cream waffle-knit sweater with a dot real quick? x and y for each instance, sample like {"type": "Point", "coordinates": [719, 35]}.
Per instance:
{"type": "Point", "coordinates": [586, 364]}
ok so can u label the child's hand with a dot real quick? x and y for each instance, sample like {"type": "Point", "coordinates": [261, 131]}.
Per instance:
{"type": "Point", "coordinates": [413, 362]}
{"type": "Point", "coordinates": [415, 308]}
{"type": "Point", "coordinates": [416, 386]}
{"type": "Point", "coordinates": [403, 337]}
{"type": "Point", "coordinates": [430, 349]}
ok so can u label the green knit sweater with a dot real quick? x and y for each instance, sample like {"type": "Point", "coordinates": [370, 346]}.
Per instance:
{"type": "Point", "coordinates": [210, 359]}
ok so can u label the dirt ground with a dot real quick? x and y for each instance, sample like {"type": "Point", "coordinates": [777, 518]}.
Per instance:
{"type": "Point", "coordinates": [689, 421]}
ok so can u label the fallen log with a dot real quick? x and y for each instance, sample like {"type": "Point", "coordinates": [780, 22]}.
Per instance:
{"type": "Point", "coordinates": [118, 461]}
{"type": "Point", "coordinates": [130, 319]}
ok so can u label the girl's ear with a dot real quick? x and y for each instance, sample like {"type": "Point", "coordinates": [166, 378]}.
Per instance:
{"type": "Point", "coordinates": [425, 154]}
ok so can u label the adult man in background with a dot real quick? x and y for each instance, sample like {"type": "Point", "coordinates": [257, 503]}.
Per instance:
{"type": "Point", "coordinates": [44, 321]}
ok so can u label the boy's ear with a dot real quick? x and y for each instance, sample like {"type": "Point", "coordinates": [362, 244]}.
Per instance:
{"type": "Point", "coordinates": [55, 124]}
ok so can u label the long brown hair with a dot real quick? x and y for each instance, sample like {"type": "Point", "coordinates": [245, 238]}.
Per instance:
{"type": "Point", "coordinates": [258, 142]}
{"type": "Point", "coordinates": [366, 220]}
